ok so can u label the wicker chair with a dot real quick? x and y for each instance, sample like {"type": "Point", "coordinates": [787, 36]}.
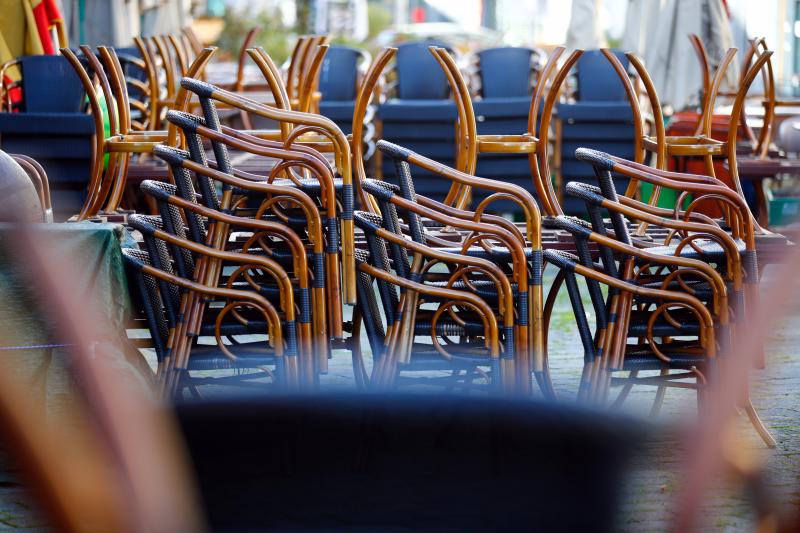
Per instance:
{"type": "Point", "coordinates": [715, 268]}
{"type": "Point", "coordinates": [479, 234]}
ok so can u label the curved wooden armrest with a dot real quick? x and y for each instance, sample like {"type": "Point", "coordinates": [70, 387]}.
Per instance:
{"type": "Point", "coordinates": [720, 291]}
{"type": "Point", "coordinates": [664, 212]}
{"type": "Point", "coordinates": [490, 321]}
{"type": "Point", "coordinates": [707, 321]}
{"type": "Point", "coordinates": [274, 321]}
{"type": "Point", "coordinates": [498, 276]}
{"type": "Point", "coordinates": [716, 233]}
{"type": "Point", "coordinates": [269, 265]}
{"type": "Point", "coordinates": [510, 240]}
{"type": "Point", "coordinates": [520, 195]}
{"type": "Point", "coordinates": [471, 215]}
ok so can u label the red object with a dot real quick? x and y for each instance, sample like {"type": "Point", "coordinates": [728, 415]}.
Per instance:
{"type": "Point", "coordinates": [683, 124]}
{"type": "Point", "coordinates": [418, 14]}
{"type": "Point", "coordinates": [46, 13]}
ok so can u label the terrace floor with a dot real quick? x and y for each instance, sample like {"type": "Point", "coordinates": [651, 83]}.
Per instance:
{"type": "Point", "coordinates": [652, 484]}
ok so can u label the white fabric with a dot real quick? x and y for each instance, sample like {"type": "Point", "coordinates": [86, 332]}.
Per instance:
{"type": "Point", "coordinates": [348, 18]}
{"type": "Point", "coordinates": [669, 55]}
{"type": "Point", "coordinates": [641, 19]}
{"type": "Point", "coordinates": [584, 29]}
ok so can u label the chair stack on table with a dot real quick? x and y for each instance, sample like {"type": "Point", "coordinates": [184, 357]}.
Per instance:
{"type": "Point", "coordinates": [245, 278]}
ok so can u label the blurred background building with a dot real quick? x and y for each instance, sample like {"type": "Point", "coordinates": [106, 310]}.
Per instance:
{"type": "Point", "coordinates": [466, 24]}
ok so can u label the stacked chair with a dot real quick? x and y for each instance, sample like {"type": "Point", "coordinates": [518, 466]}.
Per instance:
{"type": "Point", "coordinates": [596, 115]}
{"type": "Point", "coordinates": [418, 112]}
{"type": "Point", "coordinates": [250, 273]}
{"type": "Point", "coordinates": [507, 77]}
{"type": "Point", "coordinates": [339, 79]}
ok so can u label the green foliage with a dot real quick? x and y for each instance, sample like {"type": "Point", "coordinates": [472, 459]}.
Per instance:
{"type": "Point", "coordinates": [274, 36]}
{"type": "Point", "coordinates": [379, 19]}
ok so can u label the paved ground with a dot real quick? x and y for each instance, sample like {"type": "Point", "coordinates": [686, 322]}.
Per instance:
{"type": "Point", "coordinates": [652, 484]}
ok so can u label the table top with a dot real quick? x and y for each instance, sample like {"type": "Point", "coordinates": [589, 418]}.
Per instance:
{"type": "Point", "coordinates": [752, 168]}
{"type": "Point", "coordinates": [99, 246]}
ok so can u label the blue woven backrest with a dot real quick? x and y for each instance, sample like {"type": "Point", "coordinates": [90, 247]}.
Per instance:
{"type": "Point", "coordinates": [339, 74]}
{"type": "Point", "coordinates": [597, 80]}
{"type": "Point", "coordinates": [419, 76]}
{"type": "Point", "coordinates": [50, 85]}
{"type": "Point", "coordinates": [505, 72]}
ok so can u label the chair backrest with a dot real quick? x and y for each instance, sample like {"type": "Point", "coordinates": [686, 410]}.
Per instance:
{"type": "Point", "coordinates": [485, 457]}
{"type": "Point", "coordinates": [505, 72]}
{"type": "Point", "coordinates": [597, 80]}
{"type": "Point", "coordinates": [338, 76]}
{"type": "Point", "coordinates": [419, 76]}
{"type": "Point", "coordinates": [50, 85]}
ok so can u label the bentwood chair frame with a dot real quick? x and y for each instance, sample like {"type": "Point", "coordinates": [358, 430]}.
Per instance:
{"type": "Point", "coordinates": [168, 366]}
{"type": "Point", "coordinates": [523, 252]}
{"type": "Point", "coordinates": [726, 308]}
{"type": "Point", "coordinates": [326, 295]}
{"type": "Point", "coordinates": [702, 145]}
{"type": "Point", "coordinates": [737, 251]}
{"type": "Point", "coordinates": [404, 313]}
{"type": "Point", "coordinates": [535, 142]}
{"type": "Point", "coordinates": [303, 70]}
{"type": "Point", "coordinates": [298, 158]}
{"type": "Point", "coordinates": [303, 123]}
{"type": "Point", "coordinates": [106, 186]}
{"type": "Point", "coordinates": [605, 353]}
{"type": "Point", "coordinates": [209, 271]}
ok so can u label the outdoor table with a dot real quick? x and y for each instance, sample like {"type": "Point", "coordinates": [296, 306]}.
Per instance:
{"type": "Point", "coordinates": [757, 170]}
{"type": "Point", "coordinates": [28, 345]}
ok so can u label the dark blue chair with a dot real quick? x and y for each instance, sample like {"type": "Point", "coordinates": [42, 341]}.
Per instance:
{"type": "Point", "coordinates": [418, 462]}
{"type": "Point", "coordinates": [600, 118]}
{"type": "Point", "coordinates": [338, 84]}
{"type": "Point", "coordinates": [505, 74]}
{"type": "Point", "coordinates": [421, 116]}
{"type": "Point", "coordinates": [53, 128]}
{"type": "Point", "coordinates": [419, 76]}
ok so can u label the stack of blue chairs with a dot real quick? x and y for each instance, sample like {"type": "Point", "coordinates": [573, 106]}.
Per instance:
{"type": "Point", "coordinates": [422, 117]}
{"type": "Point", "coordinates": [53, 128]}
{"type": "Point", "coordinates": [601, 118]}
{"type": "Point", "coordinates": [505, 75]}
{"type": "Point", "coordinates": [338, 84]}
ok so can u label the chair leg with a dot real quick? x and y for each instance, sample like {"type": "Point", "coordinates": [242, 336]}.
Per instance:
{"type": "Point", "coordinates": [759, 426]}
{"type": "Point", "coordinates": [586, 382]}
{"type": "Point", "coordinates": [660, 393]}
{"type": "Point", "coordinates": [545, 383]}
{"type": "Point", "coordinates": [359, 370]}
{"type": "Point", "coordinates": [626, 389]}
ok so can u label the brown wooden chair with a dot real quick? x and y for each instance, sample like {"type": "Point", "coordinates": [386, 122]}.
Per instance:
{"type": "Point", "coordinates": [470, 144]}
{"type": "Point", "coordinates": [106, 184]}
{"type": "Point", "coordinates": [280, 201]}
{"type": "Point", "coordinates": [462, 326]}
{"type": "Point", "coordinates": [717, 274]}
{"type": "Point", "coordinates": [486, 236]}
{"type": "Point", "coordinates": [301, 124]}
{"type": "Point", "coordinates": [703, 145]}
